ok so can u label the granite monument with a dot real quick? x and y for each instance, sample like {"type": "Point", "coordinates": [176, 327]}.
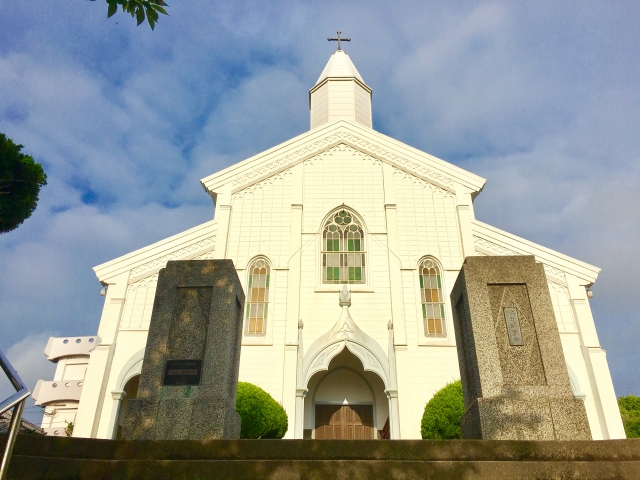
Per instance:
{"type": "Point", "coordinates": [191, 362]}
{"type": "Point", "coordinates": [514, 377]}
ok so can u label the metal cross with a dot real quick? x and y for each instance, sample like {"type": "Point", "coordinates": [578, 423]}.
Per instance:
{"type": "Point", "coordinates": [339, 39]}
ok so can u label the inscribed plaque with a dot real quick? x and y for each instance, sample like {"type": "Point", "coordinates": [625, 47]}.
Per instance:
{"type": "Point", "coordinates": [513, 326]}
{"type": "Point", "coordinates": [182, 372]}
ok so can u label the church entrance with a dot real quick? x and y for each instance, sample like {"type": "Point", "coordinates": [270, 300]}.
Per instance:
{"type": "Point", "coordinates": [344, 422]}
{"type": "Point", "coordinates": [345, 402]}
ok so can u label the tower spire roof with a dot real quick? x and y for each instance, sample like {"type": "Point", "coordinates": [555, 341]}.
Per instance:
{"type": "Point", "coordinates": [340, 92]}
{"type": "Point", "coordinates": [339, 66]}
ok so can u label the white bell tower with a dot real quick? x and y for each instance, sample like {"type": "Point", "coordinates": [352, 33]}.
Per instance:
{"type": "Point", "coordinates": [339, 93]}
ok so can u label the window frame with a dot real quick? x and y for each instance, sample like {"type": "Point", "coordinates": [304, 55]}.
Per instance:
{"type": "Point", "coordinates": [447, 321]}
{"type": "Point", "coordinates": [343, 242]}
{"type": "Point", "coordinates": [265, 338]}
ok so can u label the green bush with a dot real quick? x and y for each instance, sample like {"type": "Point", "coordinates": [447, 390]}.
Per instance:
{"type": "Point", "coordinates": [441, 418]}
{"type": "Point", "coordinates": [262, 416]}
{"type": "Point", "coordinates": [630, 413]}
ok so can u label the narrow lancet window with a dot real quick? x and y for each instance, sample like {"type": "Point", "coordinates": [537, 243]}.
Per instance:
{"type": "Point", "coordinates": [257, 304]}
{"type": "Point", "coordinates": [432, 299]}
{"type": "Point", "coordinates": [343, 250]}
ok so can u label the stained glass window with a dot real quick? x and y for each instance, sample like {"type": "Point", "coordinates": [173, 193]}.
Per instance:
{"type": "Point", "coordinates": [343, 252]}
{"type": "Point", "coordinates": [432, 299]}
{"type": "Point", "coordinates": [257, 302]}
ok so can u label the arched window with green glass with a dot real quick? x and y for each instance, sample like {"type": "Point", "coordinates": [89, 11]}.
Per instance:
{"type": "Point", "coordinates": [257, 301]}
{"type": "Point", "coordinates": [343, 249]}
{"type": "Point", "coordinates": [432, 299]}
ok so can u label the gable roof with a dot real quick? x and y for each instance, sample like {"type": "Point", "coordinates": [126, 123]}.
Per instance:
{"type": "Point", "coordinates": [490, 240]}
{"type": "Point", "coordinates": [186, 245]}
{"type": "Point", "coordinates": [366, 140]}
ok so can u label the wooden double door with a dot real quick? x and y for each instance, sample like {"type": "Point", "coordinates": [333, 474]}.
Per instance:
{"type": "Point", "coordinates": [344, 422]}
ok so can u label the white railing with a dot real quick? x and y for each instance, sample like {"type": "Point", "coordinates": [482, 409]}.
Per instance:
{"type": "Point", "coordinates": [15, 401]}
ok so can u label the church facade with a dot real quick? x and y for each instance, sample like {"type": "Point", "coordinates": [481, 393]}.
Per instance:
{"type": "Point", "coordinates": [340, 205]}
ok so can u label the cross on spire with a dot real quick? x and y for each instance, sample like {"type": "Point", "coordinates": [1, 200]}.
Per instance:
{"type": "Point", "coordinates": [338, 39]}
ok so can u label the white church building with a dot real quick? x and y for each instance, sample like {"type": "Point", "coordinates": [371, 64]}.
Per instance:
{"type": "Point", "coordinates": [338, 205]}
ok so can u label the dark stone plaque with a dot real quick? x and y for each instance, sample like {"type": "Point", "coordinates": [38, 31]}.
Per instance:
{"type": "Point", "coordinates": [182, 372]}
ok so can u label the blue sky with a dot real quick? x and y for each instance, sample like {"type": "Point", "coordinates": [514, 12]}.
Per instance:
{"type": "Point", "coordinates": [542, 99]}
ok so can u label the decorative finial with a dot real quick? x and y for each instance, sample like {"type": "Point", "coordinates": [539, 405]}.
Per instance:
{"type": "Point", "coordinates": [300, 324]}
{"type": "Point", "coordinates": [345, 297]}
{"type": "Point", "coordinates": [339, 40]}
{"type": "Point", "coordinates": [390, 325]}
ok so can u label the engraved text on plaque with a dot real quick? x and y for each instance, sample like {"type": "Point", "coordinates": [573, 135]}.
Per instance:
{"type": "Point", "coordinates": [513, 326]}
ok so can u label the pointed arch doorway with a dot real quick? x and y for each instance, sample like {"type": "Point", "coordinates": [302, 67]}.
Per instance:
{"type": "Point", "coordinates": [345, 401]}
{"type": "Point", "coordinates": [346, 367]}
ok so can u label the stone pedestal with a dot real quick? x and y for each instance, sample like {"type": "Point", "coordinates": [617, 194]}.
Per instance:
{"type": "Point", "coordinates": [190, 371]}
{"type": "Point", "coordinates": [514, 376]}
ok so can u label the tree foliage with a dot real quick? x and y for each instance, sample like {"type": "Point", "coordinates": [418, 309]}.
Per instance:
{"type": "Point", "coordinates": [140, 9]}
{"type": "Point", "coordinates": [20, 181]}
{"type": "Point", "coordinates": [630, 413]}
{"type": "Point", "coordinates": [441, 418]}
{"type": "Point", "coordinates": [262, 416]}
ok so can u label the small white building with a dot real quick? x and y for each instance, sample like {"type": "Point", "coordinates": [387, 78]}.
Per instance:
{"type": "Point", "coordinates": [61, 396]}
{"type": "Point", "coordinates": [340, 205]}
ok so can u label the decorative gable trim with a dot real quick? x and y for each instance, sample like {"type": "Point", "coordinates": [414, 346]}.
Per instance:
{"type": "Point", "coordinates": [489, 240]}
{"type": "Point", "coordinates": [196, 243]}
{"type": "Point", "coordinates": [485, 247]}
{"type": "Point", "coordinates": [270, 180]}
{"type": "Point", "coordinates": [352, 140]}
{"type": "Point", "coordinates": [423, 183]}
{"type": "Point", "coordinates": [201, 250]}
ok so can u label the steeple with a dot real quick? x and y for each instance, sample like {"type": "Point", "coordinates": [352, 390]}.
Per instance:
{"type": "Point", "coordinates": [340, 92]}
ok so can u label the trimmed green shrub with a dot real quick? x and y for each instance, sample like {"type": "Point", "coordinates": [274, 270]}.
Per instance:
{"type": "Point", "coordinates": [441, 418]}
{"type": "Point", "coordinates": [262, 416]}
{"type": "Point", "coordinates": [630, 413]}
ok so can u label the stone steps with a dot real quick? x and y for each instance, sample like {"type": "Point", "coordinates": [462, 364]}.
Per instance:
{"type": "Point", "coordinates": [38, 457]}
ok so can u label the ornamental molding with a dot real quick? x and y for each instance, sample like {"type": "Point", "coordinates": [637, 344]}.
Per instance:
{"type": "Point", "coordinates": [555, 274]}
{"type": "Point", "coordinates": [342, 148]}
{"type": "Point", "coordinates": [354, 141]}
{"type": "Point", "coordinates": [486, 247]}
{"type": "Point", "coordinates": [422, 183]}
{"type": "Point", "coordinates": [490, 248]}
{"type": "Point", "coordinates": [143, 282]}
{"type": "Point", "coordinates": [200, 250]}
{"type": "Point", "coordinates": [280, 176]}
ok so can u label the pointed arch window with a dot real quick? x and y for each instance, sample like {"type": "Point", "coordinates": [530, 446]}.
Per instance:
{"type": "Point", "coordinates": [257, 304]}
{"type": "Point", "coordinates": [343, 249]}
{"type": "Point", "coordinates": [432, 299]}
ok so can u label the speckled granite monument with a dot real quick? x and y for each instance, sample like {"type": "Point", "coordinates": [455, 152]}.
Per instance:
{"type": "Point", "coordinates": [190, 371]}
{"type": "Point", "coordinates": [514, 376]}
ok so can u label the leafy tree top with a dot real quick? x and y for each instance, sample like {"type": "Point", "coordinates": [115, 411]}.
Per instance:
{"type": "Point", "coordinates": [140, 9]}
{"type": "Point", "coordinates": [20, 181]}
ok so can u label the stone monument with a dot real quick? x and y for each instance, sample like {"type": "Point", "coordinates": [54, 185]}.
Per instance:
{"type": "Point", "coordinates": [190, 371]}
{"type": "Point", "coordinates": [514, 376]}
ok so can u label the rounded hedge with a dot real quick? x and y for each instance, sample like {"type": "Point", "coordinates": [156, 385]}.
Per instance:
{"type": "Point", "coordinates": [262, 416]}
{"type": "Point", "coordinates": [630, 413]}
{"type": "Point", "coordinates": [441, 418]}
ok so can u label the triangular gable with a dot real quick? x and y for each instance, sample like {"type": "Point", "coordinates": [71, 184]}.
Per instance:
{"type": "Point", "coordinates": [366, 140]}
{"type": "Point", "coordinates": [196, 243]}
{"type": "Point", "coordinates": [490, 240]}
